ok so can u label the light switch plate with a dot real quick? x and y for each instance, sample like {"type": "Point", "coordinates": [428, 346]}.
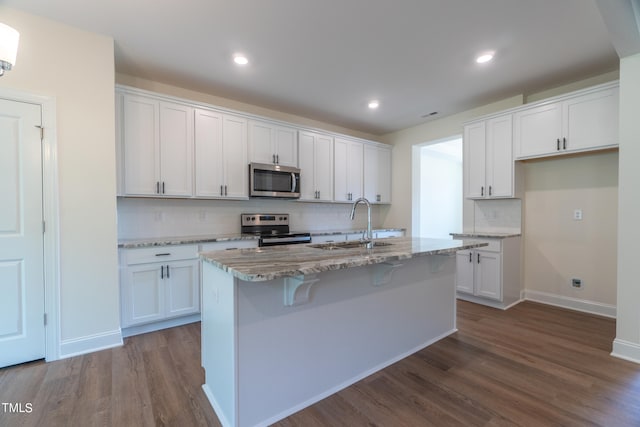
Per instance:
{"type": "Point", "coordinates": [577, 215]}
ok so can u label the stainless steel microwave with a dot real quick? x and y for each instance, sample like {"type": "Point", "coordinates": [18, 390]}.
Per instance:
{"type": "Point", "coordinates": [274, 181]}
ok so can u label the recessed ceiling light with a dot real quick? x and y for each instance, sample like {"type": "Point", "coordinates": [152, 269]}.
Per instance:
{"type": "Point", "coordinates": [374, 104]}
{"type": "Point", "coordinates": [484, 57]}
{"type": "Point", "coordinates": [240, 59]}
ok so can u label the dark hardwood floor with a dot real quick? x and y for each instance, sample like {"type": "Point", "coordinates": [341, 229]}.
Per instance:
{"type": "Point", "coordinates": [533, 365]}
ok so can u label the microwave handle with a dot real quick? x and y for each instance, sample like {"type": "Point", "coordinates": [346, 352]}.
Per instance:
{"type": "Point", "coordinates": [293, 182]}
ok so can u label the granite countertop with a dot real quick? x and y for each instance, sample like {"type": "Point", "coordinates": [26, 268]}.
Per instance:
{"type": "Point", "coordinates": [485, 234]}
{"type": "Point", "coordinates": [260, 264]}
{"type": "Point", "coordinates": [187, 240]}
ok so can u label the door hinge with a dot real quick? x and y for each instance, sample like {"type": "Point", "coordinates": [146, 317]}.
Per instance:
{"type": "Point", "coordinates": [45, 319]}
{"type": "Point", "coordinates": [41, 132]}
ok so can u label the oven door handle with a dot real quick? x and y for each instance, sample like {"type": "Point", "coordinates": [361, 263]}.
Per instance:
{"type": "Point", "coordinates": [281, 240]}
{"type": "Point", "coordinates": [293, 182]}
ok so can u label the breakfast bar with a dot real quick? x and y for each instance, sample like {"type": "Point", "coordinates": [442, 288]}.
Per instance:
{"type": "Point", "coordinates": [284, 327]}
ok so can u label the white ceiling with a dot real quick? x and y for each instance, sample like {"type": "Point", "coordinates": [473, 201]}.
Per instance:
{"type": "Point", "coordinates": [326, 59]}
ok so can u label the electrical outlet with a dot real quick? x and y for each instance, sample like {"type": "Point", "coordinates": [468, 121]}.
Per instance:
{"type": "Point", "coordinates": [576, 283]}
{"type": "Point", "coordinates": [577, 215]}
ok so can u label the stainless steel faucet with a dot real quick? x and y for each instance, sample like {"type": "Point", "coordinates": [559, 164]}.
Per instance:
{"type": "Point", "coordinates": [353, 214]}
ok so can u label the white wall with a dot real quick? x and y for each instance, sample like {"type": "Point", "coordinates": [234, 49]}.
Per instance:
{"type": "Point", "coordinates": [558, 248]}
{"type": "Point", "coordinates": [77, 68]}
{"type": "Point", "coordinates": [627, 342]}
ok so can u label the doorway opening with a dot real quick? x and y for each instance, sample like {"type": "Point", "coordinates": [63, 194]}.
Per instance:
{"type": "Point", "coordinates": [437, 188]}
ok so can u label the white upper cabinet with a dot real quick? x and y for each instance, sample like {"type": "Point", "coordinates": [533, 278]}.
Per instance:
{"type": "Point", "coordinates": [580, 122]}
{"type": "Point", "coordinates": [316, 166]}
{"type": "Point", "coordinates": [157, 152]}
{"type": "Point", "coordinates": [377, 173]}
{"type": "Point", "coordinates": [272, 144]}
{"type": "Point", "coordinates": [348, 174]}
{"type": "Point", "coordinates": [221, 155]}
{"type": "Point", "coordinates": [488, 160]}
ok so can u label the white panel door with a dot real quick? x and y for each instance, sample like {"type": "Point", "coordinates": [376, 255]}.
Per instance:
{"type": "Point", "coordinates": [474, 145]}
{"type": "Point", "coordinates": [261, 147]}
{"type": "Point", "coordinates": [538, 131]}
{"type": "Point", "coordinates": [143, 301]}
{"type": "Point", "coordinates": [308, 189]}
{"type": "Point", "coordinates": [487, 275]}
{"type": "Point", "coordinates": [141, 146]}
{"type": "Point", "coordinates": [464, 271]}
{"type": "Point", "coordinates": [176, 149]}
{"type": "Point", "coordinates": [286, 146]}
{"type": "Point", "coordinates": [323, 159]}
{"type": "Point", "coordinates": [22, 335]}
{"type": "Point", "coordinates": [209, 154]}
{"type": "Point", "coordinates": [236, 170]}
{"type": "Point", "coordinates": [591, 120]}
{"type": "Point", "coordinates": [499, 164]}
{"type": "Point", "coordinates": [182, 279]}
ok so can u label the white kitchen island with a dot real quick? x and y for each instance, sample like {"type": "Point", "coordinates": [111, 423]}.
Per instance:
{"type": "Point", "coordinates": [284, 327]}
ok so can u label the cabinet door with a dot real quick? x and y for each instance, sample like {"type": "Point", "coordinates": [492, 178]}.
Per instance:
{"type": "Point", "coordinates": [142, 294]}
{"type": "Point", "coordinates": [464, 271]}
{"type": "Point", "coordinates": [537, 130]}
{"type": "Point", "coordinates": [370, 168]}
{"type": "Point", "coordinates": [141, 145]}
{"type": "Point", "coordinates": [384, 176]}
{"type": "Point", "coordinates": [307, 166]}
{"type": "Point", "coordinates": [176, 149]}
{"type": "Point", "coordinates": [261, 149]}
{"type": "Point", "coordinates": [236, 171]}
{"type": "Point", "coordinates": [591, 120]}
{"type": "Point", "coordinates": [355, 157]}
{"type": "Point", "coordinates": [487, 275]}
{"type": "Point", "coordinates": [182, 280]}
{"type": "Point", "coordinates": [474, 158]}
{"type": "Point", "coordinates": [499, 166]}
{"type": "Point", "coordinates": [286, 146]}
{"type": "Point", "coordinates": [340, 170]}
{"type": "Point", "coordinates": [323, 156]}
{"type": "Point", "coordinates": [209, 153]}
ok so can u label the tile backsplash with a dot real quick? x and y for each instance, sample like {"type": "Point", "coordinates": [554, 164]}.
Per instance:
{"type": "Point", "coordinates": [149, 218]}
{"type": "Point", "coordinates": [498, 215]}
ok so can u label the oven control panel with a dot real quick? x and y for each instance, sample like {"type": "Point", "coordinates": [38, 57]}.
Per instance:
{"type": "Point", "coordinates": [264, 219]}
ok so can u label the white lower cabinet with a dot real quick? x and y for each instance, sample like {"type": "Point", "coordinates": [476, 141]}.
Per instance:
{"type": "Point", "coordinates": [490, 275]}
{"type": "Point", "coordinates": [159, 283]}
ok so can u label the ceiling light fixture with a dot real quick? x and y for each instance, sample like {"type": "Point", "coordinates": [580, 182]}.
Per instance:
{"type": "Point", "coordinates": [240, 59]}
{"type": "Point", "coordinates": [8, 47]}
{"type": "Point", "coordinates": [374, 104]}
{"type": "Point", "coordinates": [484, 57]}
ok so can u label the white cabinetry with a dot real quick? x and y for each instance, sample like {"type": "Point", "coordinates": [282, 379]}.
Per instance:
{"type": "Point", "coordinates": [583, 121]}
{"type": "Point", "coordinates": [490, 275]}
{"type": "Point", "coordinates": [316, 166]}
{"type": "Point", "coordinates": [157, 152]}
{"type": "Point", "coordinates": [377, 173]}
{"type": "Point", "coordinates": [159, 283]}
{"type": "Point", "coordinates": [348, 158]}
{"type": "Point", "coordinates": [488, 160]}
{"type": "Point", "coordinates": [221, 155]}
{"type": "Point", "coordinates": [272, 144]}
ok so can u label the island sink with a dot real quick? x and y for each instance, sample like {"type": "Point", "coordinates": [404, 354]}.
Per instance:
{"type": "Point", "coordinates": [347, 245]}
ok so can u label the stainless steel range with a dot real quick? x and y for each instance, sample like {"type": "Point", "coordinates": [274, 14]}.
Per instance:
{"type": "Point", "coordinates": [273, 229]}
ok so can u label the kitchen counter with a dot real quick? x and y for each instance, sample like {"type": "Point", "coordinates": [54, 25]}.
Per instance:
{"type": "Point", "coordinates": [260, 264]}
{"type": "Point", "coordinates": [484, 234]}
{"type": "Point", "coordinates": [284, 327]}
{"type": "Point", "coordinates": [208, 238]}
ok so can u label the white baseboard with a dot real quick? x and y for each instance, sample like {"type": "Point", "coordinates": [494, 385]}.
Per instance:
{"type": "Point", "coordinates": [157, 326]}
{"type": "Point", "coordinates": [586, 306]}
{"type": "Point", "coordinates": [626, 350]}
{"type": "Point", "coordinates": [90, 343]}
{"type": "Point", "coordinates": [216, 407]}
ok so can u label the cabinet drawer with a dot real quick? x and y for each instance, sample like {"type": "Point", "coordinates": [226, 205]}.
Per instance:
{"type": "Point", "coordinates": [159, 254]}
{"type": "Point", "coordinates": [235, 244]}
{"type": "Point", "coordinates": [495, 245]}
